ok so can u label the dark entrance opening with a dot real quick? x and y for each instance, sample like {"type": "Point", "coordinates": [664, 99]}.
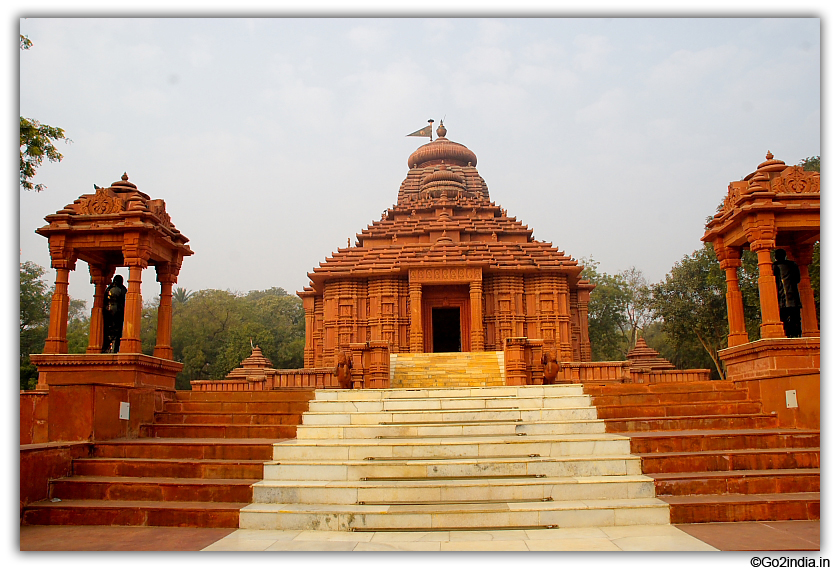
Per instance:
{"type": "Point", "coordinates": [446, 329]}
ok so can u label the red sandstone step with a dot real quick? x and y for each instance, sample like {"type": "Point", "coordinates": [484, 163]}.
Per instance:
{"type": "Point", "coordinates": [710, 386]}
{"type": "Point", "coordinates": [179, 406]}
{"type": "Point", "coordinates": [648, 398]}
{"type": "Point", "coordinates": [152, 489]}
{"type": "Point", "coordinates": [730, 460]}
{"type": "Point", "coordinates": [216, 418]}
{"type": "Point", "coordinates": [187, 448]}
{"type": "Point", "coordinates": [716, 440]}
{"type": "Point", "coordinates": [763, 481]}
{"type": "Point", "coordinates": [735, 508]}
{"type": "Point", "coordinates": [633, 426]}
{"type": "Point", "coordinates": [667, 410]}
{"type": "Point", "coordinates": [217, 431]}
{"type": "Point", "coordinates": [133, 513]}
{"type": "Point", "coordinates": [286, 394]}
{"type": "Point", "coordinates": [188, 468]}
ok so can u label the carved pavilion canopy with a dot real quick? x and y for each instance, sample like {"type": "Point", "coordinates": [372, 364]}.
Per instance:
{"type": "Point", "coordinates": [113, 224]}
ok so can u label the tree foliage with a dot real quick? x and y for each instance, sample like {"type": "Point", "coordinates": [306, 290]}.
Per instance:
{"type": "Point", "coordinates": [36, 143]}
{"type": "Point", "coordinates": [619, 310]}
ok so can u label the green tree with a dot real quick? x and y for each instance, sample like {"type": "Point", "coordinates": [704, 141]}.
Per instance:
{"type": "Point", "coordinates": [607, 317]}
{"type": "Point", "coordinates": [691, 302]}
{"type": "Point", "coordinates": [35, 297]}
{"type": "Point", "coordinates": [213, 332]}
{"type": "Point", "coordinates": [36, 143]}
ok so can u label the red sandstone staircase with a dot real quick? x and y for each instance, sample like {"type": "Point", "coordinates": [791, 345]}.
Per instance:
{"type": "Point", "coordinates": [193, 467]}
{"type": "Point", "coordinates": [714, 455]}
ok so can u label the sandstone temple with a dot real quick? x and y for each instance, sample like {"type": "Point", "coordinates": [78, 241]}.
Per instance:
{"type": "Point", "coordinates": [445, 270]}
{"type": "Point", "coordinates": [447, 386]}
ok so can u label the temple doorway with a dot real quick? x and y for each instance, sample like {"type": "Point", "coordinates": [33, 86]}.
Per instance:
{"type": "Point", "coordinates": [446, 329]}
{"type": "Point", "coordinates": [446, 318]}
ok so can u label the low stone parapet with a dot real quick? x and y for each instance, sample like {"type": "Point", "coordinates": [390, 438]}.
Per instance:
{"type": "Point", "coordinates": [617, 371]}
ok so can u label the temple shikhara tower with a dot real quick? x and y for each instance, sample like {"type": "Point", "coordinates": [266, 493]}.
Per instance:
{"type": "Point", "coordinates": [446, 270]}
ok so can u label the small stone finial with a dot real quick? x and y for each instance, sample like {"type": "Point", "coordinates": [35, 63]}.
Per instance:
{"type": "Point", "coordinates": [769, 155]}
{"type": "Point", "coordinates": [441, 130]}
{"type": "Point", "coordinates": [348, 242]}
{"type": "Point", "coordinates": [124, 177]}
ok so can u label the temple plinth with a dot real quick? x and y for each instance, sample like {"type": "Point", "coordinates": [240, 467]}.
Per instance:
{"type": "Point", "coordinates": [445, 270]}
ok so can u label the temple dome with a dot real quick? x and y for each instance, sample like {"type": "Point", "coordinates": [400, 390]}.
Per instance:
{"type": "Point", "coordinates": [443, 151]}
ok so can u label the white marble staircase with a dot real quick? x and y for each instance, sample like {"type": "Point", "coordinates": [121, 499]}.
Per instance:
{"type": "Point", "coordinates": [453, 458]}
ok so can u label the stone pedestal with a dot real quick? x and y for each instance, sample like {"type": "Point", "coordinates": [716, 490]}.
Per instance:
{"type": "Point", "coordinates": [136, 370]}
{"type": "Point", "coordinates": [768, 368]}
{"type": "Point", "coordinates": [85, 392]}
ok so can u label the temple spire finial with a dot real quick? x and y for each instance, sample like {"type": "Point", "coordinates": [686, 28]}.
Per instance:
{"type": "Point", "coordinates": [441, 130]}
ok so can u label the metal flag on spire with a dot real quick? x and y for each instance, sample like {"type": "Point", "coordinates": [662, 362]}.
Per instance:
{"type": "Point", "coordinates": [424, 132]}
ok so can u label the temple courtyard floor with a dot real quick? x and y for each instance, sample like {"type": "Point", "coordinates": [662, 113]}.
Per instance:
{"type": "Point", "coordinates": [749, 536]}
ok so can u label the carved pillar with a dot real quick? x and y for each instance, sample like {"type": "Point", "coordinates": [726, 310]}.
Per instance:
{"type": "Point", "coordinates": [309, 343]}
{"type": "Point", "coordinates": [810, 324]}
{"type": "Point", "coordinates": [130, 341]}
{"type": "Point", "coordinates": [100, 277]}
{"type": "Point", "coordinates": [476, 318]}
{"type": "Point", "coordinates": [771, 324]}
{"type": "Point", "coordinates": [730, 261]}
{"type": "Point", "coordinates": [583, 312]}
{"type": "Point", "coordinates": [166, 276]}
{"type": "Point", "coordinates": [415, 295]}
{"type": "Point", "coordinates": [564, 334]}
{"type": "Point", "coordinates": [57, 333]}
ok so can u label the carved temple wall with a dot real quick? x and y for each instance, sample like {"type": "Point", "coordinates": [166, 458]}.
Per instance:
{"type": "Point", "coordinates": [536, 306]}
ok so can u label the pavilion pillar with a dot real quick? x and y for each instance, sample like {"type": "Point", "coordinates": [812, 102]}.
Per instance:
{"type": "Point", "coordinates": [730, 261]}
{"type": "Point", "coordinates": [476, 318]}
{"type": "Point", "coordinates": [810, 324]}
{"type": "Point", "coordinates": [163, 345]}
{"type": "Point", "coordinates": [57, 333]}
{"type": "Point", "coordinates": [771, 323]}
{"type": "Point", "coordinates": [100, 276]}
{"type": "Point", "coordinates": [415, 335]}
{"type": "Point", "coordinates": [130, 342]}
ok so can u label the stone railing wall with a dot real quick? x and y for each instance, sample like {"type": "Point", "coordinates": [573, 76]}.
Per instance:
{"type": "Point", "coordinates": [574, 372]}
{"type": "Point", "coordinates": [670, 376]}
{"type": "Point", "coordinates": [306, 378]}
{"type": "Point", "coordinates": [287, 378]}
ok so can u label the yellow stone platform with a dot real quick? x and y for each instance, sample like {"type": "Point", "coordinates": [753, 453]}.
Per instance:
{"type": "Point", "coordinates": [447, 369]}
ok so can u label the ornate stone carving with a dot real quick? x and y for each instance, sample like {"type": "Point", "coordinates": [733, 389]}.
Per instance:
{"type": "Point", "coordinates": [101, 203]}
{"type": "Point", "coordinates": [795, 180]}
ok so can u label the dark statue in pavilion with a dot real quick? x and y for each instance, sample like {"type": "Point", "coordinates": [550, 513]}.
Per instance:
{"type": "Point", "coordinates": [113, 315]}
{"type": "Point", "coordinates": [787, 285]}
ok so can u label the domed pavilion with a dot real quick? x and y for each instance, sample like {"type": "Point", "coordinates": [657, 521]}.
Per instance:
{"type": "Point", "coordinates": [445, 270]}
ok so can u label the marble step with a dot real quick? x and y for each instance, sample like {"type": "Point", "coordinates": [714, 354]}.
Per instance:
{"type": "Point", "coordinates": [446, 429]}
{"type": "Point", "coordinates": [551, 445]}
{"type": "Point", "coordinates": [487, 392]}
{"type": "Point", "coordinates": [347, 517]}
{"type": "Point", "coordinates": [470, 403]}
{"type": "Point", "coordinates": [428, 467]}
{"type": "Point", "coordinates": [453, 490]}
{"type": "Point", "coordinates": [454, 415]}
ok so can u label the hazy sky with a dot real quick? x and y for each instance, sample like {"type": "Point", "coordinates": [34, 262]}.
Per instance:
{"type": "Point", "coordinates": [274, 140]}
